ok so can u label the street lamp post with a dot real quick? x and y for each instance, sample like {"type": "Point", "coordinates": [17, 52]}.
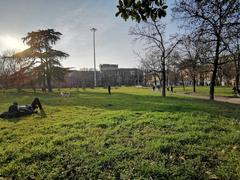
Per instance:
{"type": "Point", "coordinates": [94, 56]}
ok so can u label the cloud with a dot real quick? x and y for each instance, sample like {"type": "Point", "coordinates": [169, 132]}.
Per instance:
{"type": "Point", "coordinates": [74, 20]}
{"type": "Point", "coordinates": [113, 44]}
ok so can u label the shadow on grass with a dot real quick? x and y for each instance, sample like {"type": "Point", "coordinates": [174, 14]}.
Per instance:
{"type": "Point", "coordinates": [40, 115]}
{"type": "Point", "coordinates": [147, 103]}
{"type": "Point", "coordinates": [130, 102]}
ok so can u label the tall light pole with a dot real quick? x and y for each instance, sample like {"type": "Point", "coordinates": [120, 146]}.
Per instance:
{"type": "Point", "coordinates": [94, 56]}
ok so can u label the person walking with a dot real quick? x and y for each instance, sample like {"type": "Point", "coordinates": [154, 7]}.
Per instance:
{"type": "Point", "coordinates": [109, 89]}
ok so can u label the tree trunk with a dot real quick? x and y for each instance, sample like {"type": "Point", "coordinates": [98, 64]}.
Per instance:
{"type": "Point", "coordinates": [49, 82]}
{"type": "Point", "coordinates": [215, 67]}
{"type": "Point", "coordinates": [155, 80]}
{"type": "Point", "coordinates": [166, 77]}
{"type": "Point", "coordinates": [164, 80]}
{"type": "Point", "coordinates": [237, 73]}
{"type": "Point", "coordinates": [212, 83]}
{"type": "Point", "coordinates": [220, 79]}
{"type": "Point", "coordinates": [44, 80]}
{"type": "Point", "coordinates": [194, 83]}
{"type": "Point", "coordinates": [183, 85]}
{"type": "Point", "coordinates": [237, 81]}
{"type": "Point", "coordinates": [201, 79]}
{"type": "Point", "coordinates": [49, 77]}
{"type": "Point", "coordinates": [159, 78]}
{"type": "Point", "coordinates": [43, 75]}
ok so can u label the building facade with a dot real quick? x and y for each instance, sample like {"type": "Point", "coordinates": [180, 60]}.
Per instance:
{"type": "Point", "coordinates": [109, 74]}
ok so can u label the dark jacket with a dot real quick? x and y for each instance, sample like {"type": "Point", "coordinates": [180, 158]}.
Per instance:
{"type": "Point", "coordinates": [17, 111]}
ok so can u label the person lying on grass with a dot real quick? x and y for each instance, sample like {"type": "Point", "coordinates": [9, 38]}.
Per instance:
{"type": "Point", "coordinates": [16, 110]}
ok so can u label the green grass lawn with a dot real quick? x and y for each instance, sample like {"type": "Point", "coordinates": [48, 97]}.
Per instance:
{"type": "Point", "coordinates": [204, 90]}
{"type": "Point", "coordinates": [132, 134]}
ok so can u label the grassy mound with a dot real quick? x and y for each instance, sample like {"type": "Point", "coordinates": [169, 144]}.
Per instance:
{"type": "Point", "coordinates": [132, 134]}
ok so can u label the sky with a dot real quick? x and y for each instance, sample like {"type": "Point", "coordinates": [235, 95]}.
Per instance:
{"type": "Point", "coordinates": [74, 19]}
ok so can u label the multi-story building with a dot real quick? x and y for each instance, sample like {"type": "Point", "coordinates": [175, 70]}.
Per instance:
{"type": "Point", "coordinates": [109, 74]}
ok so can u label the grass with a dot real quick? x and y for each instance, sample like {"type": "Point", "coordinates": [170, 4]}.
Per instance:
{"type": "Point", "coordinates": [204, 90]}
{"type": "Point", "coordinates": [132, 134]}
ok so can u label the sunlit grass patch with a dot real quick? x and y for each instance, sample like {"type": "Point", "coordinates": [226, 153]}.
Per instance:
{"type": "Point", "coordinates": [133, 133]}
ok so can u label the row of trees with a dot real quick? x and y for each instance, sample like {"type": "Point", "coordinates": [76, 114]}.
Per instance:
{"type": "Point", "coordinates": [36, 66]}
{"type": "Point", "coordinates": [211, 39]}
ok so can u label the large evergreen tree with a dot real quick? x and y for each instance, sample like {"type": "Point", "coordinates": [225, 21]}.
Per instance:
{"type": "Point", "coordinates": [42, 52]}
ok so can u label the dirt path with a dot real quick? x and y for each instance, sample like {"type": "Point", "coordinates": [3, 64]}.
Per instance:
{"type": "Point", "coordinates": [233, 100]}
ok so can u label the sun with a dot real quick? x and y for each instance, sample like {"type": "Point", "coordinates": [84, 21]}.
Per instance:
{"type": "Point", "coordinates": [11, 42]}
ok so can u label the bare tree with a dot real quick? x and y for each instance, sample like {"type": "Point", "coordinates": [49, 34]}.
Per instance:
{"type": "Point", "coordinates": [15, 69]}
{"type": "Point", "coordinates": [7, 68]}
{"type": "Point", "coordinates": [1, 71]}
{"type": "Point", "coordinates": [236, 59]}
{"type": "Point", "coordinates": [152, 33]}
{"type": "Point", "coordinates": [233, 47]}
{"type": "Point", "coordinates": [176, 61]}
{"type": "Point", "coordinates": [211, 20]}
{"type": "Point", "coordinates": [191, 57]}
{"type": "Point", "coordinates": [150, 64]}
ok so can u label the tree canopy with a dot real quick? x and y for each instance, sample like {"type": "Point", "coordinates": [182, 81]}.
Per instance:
{"type": "Point", "coordinates": [141, 10]}
{"type": "Point", "coordinates": [212, 21]}
{"type": "Point", "coordinates": [49, 65]}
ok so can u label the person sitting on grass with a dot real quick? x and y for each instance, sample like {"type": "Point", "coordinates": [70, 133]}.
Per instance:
{"type": "Point", "coordinates": [16, 110]}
